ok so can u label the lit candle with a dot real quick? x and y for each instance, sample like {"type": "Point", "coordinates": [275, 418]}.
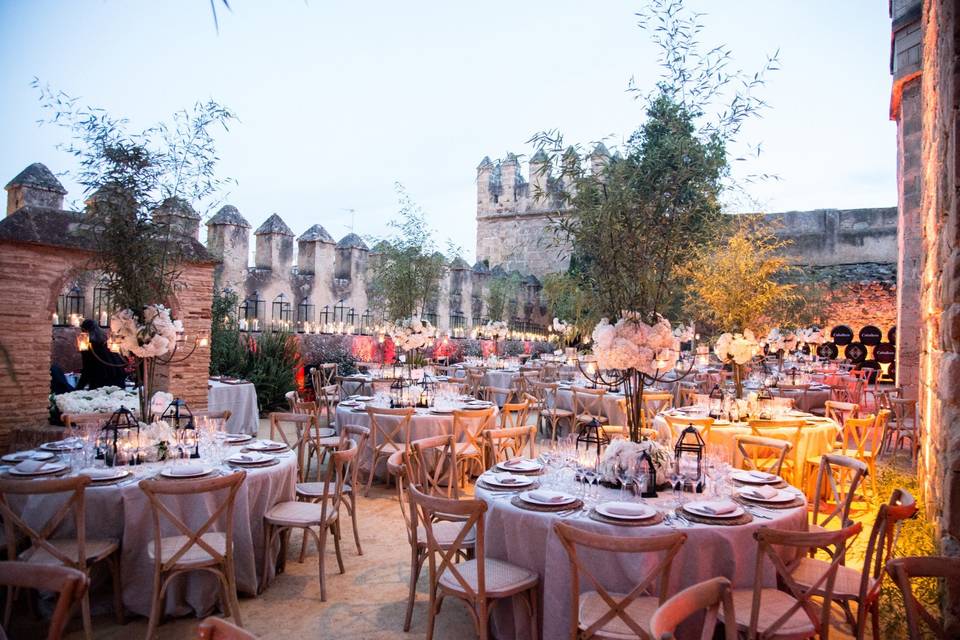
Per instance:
{"type": "Point", "coordinates": [103, 318]}
{"type": "Point", "coordinates": [56, 318]}
{"type": "Point", "coordinates": [203, 342]}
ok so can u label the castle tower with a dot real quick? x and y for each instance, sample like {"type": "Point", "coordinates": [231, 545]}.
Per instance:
{"type": "Point", "coordinates": [485, 201]}
{"type": "Point", "coordinates": [599, 159]}
{"type": "Point", "coordinates": [570, 169]}
{"type": "Point", "coordinates": [274, 245]}
{"type": "Point", "coordinates": [509, 174]}
{"type": "Point", "coordinates": [228, 237]}
{"type": "Point", "coordinates": [35, 186]}
{"type": "Point", "coordinates": [181, 218]}
{"type": "Point", "coordinates": [540, 178]}
{"type": "Point", "coordinates": [350, 272]}
{"type": "Point", "coordinates": [315, 252]}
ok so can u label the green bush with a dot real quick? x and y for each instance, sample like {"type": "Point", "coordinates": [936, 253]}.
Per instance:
{"type": "Point", "coordinates": [272, 360]}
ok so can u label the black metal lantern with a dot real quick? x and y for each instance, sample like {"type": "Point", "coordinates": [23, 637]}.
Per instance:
{"type": "Point", "coordinates": [180, 418]}
{"type": "Point", "coordinates": [118, 442]}
{"type": "Point", "coordinates": [765, 402]}
{"type": "Point", "coordinates": [716, 401]}
{"type": "Point", "coordinates": [304, 315]}
{"type": "Point", "coordinates": [645, 466]}
{"type": "Point", "coordinates": [690, 446]}
{"type": "Point", "coordinates": [793, 375]}
{"type": "Point", "coordinates": [590, 433]}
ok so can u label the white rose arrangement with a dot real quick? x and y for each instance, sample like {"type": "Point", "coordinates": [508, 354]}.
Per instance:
{"type": "Point", "coordinates": [810, 335]}
{"type": "Point", "coordinates": [633, 344]}
{"type": "Point", "coordinates": [411, 334]}
{"type": "Point", "coordinates": [621, 453]}
{"type": "Point", "coordinates": [102, 400]}
{"type": "Point", "coordinates": [563, 330]}
{"type": "Point", "coordinates": [738, 348]}
{"type": "Point", "coordinates": [153, 337]}
{"type": "Point", "coordinates": [497, 330]}
{"type": "Point", "coordinates": [778, 340]}
{"type": "Point", "coordinates": [685, 333]}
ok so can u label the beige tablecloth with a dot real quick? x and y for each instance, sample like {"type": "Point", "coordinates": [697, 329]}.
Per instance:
{"type": "Point", "coordinates": [122, 512]}
{"type": "Point", "coordinates": [240, 400]}
{"type": "Point", "coordinates": [526, 538]}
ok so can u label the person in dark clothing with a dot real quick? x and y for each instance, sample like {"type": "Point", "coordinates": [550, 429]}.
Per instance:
{"type": "Point", "coordinates": [58, 381]}
{"type": "Point", "coordinates": [101, 367]}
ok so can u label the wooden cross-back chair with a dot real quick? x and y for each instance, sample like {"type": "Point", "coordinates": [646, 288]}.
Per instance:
{"type": "Point", "coordinates": [193, 548]}
{"type": "Point", "coordinates": [493, 394]}
{"type": "Point", "coordinates": [678, 423]}
{"type": "Point", "coordinates": [468, 428]}
{"type": "Point", "coordinates": [313, 491]}
{"type": "Point", "coordinates": [389, 432]}
{"type": "Point", "coordinates": [862, 437]}
{"type": "Point", "coordinates": [688, 393]}
{"type": "Point", "coordinates": [841, 475]}
{"type": "Point", "coordinates": [706, 597]}
{"type": "Point", "coordinates": [863, 586]}
{"type": "Point", "coordinates": [601, 613]}
{"type": "Point", "coordinates": [474, 382]}
{"type": "Point", "coordinates": [521, 384]}
{"type": "Point", "coordinates": [790, 430]}
{"type": "Point", "coordinates": [790, 611]}
{"type": "Point", "coordinates": [328, 397]}
{"type": "Point", "coordinates": [905, 424]}
{"type": "Point", "coordinates": [588, 405]}
{"type": "Point", "coordinates": [550, 372]}
{"type": "Point", "coordinates": [300, 441]}
{"type": "Point", "coordinates": [902, 570]}
{"type": "Point", "coordinates": [840, 411]}
{"type": "Point", "coordinates": [546, 395]}
{"type": "Point", "coordinates": [77, 552]}
{"type": "Point", "coordinates": [68, 583]}
{"type": "Point", "coordinates": [479, 581]}
{"type": "Point", "coordinates": [218, 418]}
{"type": "Point", "coordinates": [762, 454]}
{"type": "Point", "coordinates": [316, 518]}
{"type": "Point", "coordinates": [432, 465]}
{"type": "Point", "coordinates": [653, 403]}
{"type": "Point", "coordinates": [504, 444]}
{"type": "Point", "coordinates": [328, 372]}
{"type": "Point", "coordinates": [514, 414]}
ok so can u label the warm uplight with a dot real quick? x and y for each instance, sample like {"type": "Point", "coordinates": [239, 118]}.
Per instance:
{"type": "Point", "coordinates": [203, 342]}
{"type": "Point", "coordinates": [83, 341]}
{"type": "Point", "coordinates": [115, 346]}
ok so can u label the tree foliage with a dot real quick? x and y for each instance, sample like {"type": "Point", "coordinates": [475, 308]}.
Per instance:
{"type": "Point", "coordinates": [736, 281]}
{"type": "Point", "coordinates": [408, 268]}
{"type": "Point", "coordinates": [567, 301]}
{"type": "Point", "coordinates": [126, 176]}
{"type": "Point", "coordinates": [501, 291]}
{"type": "Point", "coordinates": [634, 217]}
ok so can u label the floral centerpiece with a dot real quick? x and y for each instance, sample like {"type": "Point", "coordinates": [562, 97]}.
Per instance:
{"type": "Point", "coordinates": [102, 400]}
{"type": "Point", "coordinates": [564, 331]}
{"type": "Point", "coordinates": [621, 454]}
{"type": "Point", "coordinates": [781, 341]}
{"type": "Point", "coordinates": [737, 349]}
{"type": "Point", "coordinates": [496, 330]}
{"type": "Point", "coordinates": [637, 351]}
{"type": "Point", "coordinates": [810, 336]}
{"type": "Point", "coordinates": [411, 334]}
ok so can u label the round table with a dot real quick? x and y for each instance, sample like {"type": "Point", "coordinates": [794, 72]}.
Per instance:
{"type": "Point", "coordinates": [423, 424]}
{"type": "Point", "coordinates": [121, 511]}
{"type": "Point", "coordinates": [240, 400]}
{"type": "Point", "coordinates": [526, 539]}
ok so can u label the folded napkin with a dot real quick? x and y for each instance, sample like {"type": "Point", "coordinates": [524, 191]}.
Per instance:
{"type": "Point", "coordinates": [542, 495]}
{"type": "Point", "coordinates": [717, 507]}
{"type": "Point", "coordinates": [517, 463]}
{"type": "Point", "coordinates": [630, 509]}
{"type": "Point", "coordinates": [99, 473]}
{"type": "Point", "coordinates": [269, 444]}
{"type": "Point", "coordinates": [31, 466]}
{"type": "Point", "coordinates": [29, 455]}
{"type": "Point", "coordinates": [761, 493]}
{"type": "Point", "coordinates": [187, 470]}
{"type": "Point", "coordinates": [761, 475]}
{"type": "Point", "coordinates": [250, 457]}
{"type": "Point", "coordinates": [507, 478]}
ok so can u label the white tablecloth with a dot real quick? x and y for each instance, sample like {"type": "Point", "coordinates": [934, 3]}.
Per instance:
{"type": "Point", "coordinates": [526, 538]}
{"type": "Point", "coordinates": [240, 400]}
{"type": "Point", "coordinates": [122, 512]}
{"type": "Point", "coordinates": [423, 424]}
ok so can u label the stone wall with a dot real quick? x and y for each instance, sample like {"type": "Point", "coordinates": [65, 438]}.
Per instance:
{"type": "Point", "coordinates": [939, 221]}
{"type": "Point", "coordinates": [524, 242]}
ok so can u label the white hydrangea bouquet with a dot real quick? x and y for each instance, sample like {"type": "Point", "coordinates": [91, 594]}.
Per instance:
{"type": "Point", "coordinates": [102, 400]}
{"type": "Point", "coordinates": [153, 335]}
{"type": "Point", "coordinates": [411, 334]}
{"type": "Point", "coordinates": [563, 330]}
{"type": "Point", "coordinates": [781, 340]}
{"type": "Point", "coordinates": [737, 349]}
{"type": "Point", "coordinates": [496, 330]}
{"type": "Point", "coordinates": [622, 453]}
{"type": "Point", "coordinates": [810, 335]}
{"type": "Point", "coordinates": [631, 343]}
{"type": "Point", "coordinates": [685, 333]}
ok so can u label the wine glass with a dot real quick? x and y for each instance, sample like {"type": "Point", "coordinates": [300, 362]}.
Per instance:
{"type": "Point", "coordinates": [677, 479]}
{"type": "Point", "coordinates": [625, 474]}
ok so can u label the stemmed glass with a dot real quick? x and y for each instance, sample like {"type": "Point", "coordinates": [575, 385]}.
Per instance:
{"type": "Point", "coordinates": [625, 474]}
{"type": "Point", "coordinates": [677, 480]}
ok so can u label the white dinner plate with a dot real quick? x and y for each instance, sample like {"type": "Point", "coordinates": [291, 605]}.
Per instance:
{"type": "Point", "coordinates": [636, 510]}
{"type": "Point", "coordinates": [326, 432]}
{"type": "Point", "coordinates": [781, 497]}
{"type": "Point", "coordinates": [49, 468]}
{"type": "Point", "coordinates": [517, 481]}
{"type": "Point", "coordinates": [362, 398]}
{"type": "Point", "coordinates": [189, 471]}
{"type": "Point", "coordinates": [62, 445]}
{"type": "Point", "coordinates": [442, 412]}
{"type": "Point", "coordinates": [562, 498]}
{"type": "Point", "coordinates": [748, 478]}
{"type": "Point", "coordinates": [266, 446]}
{"type": "Point", "coordinates": [520, 464]}
{"type": "Point", "coordinates": [104, 474]}
{"type": "Point", "coordinates": [20, 456]}
{"type": "Point", "coordinates": [236, 438]}
{"type": "Point", "coordinates": [254, 459]}
{"type": "Point", "coordinates": [695, 508]}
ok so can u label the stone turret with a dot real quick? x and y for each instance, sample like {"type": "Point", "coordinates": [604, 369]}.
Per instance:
{"type": "Point", "coordinates": [274, 245]}
{"type": "Point", "coordinates": [228, 237]}
{"type": "Point", "coordinates": [540, 178]}
{"type": "Point", "coordinates": [35, 186]}
{"type": "Point", "coordinates": [599, 159]}
{"type": "Point", "coordinates": [180, 216]}
{"type": "Point", "coordinates": [509, 178]}
{"type": "Point", "coordinates": [485, 198]}
{"type": "Point", "coordinates": [315, 252]}
{"type": "Point", "coordinates": [350, 271]}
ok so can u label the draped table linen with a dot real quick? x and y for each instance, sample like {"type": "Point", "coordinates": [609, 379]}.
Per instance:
{"type": "Point", "coordinates": [240, 400]}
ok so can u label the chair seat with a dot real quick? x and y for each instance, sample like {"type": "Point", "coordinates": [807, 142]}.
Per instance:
{"type": "Point", "coordinates": [446, 532]}
{"type": "Point", "coordinates": [502, 578]}
{"type": "Point", "coordinates": [846, 585]}
{"type": "Point", "coordinates": [556, 413]}
{"type": "Point", "coordinates": [298, 514]}
{"type": "Point", "coordinates": [773, 604]}
{"type": "Point", "coordinates": [95, 551]}
{"type": "Point", "coordinates": [387, 448]}
{"type": "Point", "coordinates": [330, 441]}
{"type": "Point", "coordinates": [315, 489]}
{"type": "Point", "coordinates": [593, 607]}
{"type": "Point", "coordinates": [467, 449]}
{"type": "Point", "coordinates": [195, 555]}
{"type": "Point", "coordinates": [584, 418]}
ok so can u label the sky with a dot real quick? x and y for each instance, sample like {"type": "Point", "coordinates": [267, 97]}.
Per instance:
{"type": "Point", "coordinates": [338, 101]}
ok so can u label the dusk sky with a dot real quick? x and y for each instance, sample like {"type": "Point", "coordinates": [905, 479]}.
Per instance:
{"type": "Point", "coordinates": [337, 101]}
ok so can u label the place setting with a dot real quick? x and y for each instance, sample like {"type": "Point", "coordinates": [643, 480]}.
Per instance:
{"type": "Point", "coordinates": [547, 501]}
{"type": "Point", "coordinates": [253, 459]}
{"type": "Point", "coordinates": [505, 481]}
{"type": "Point", "coordinates": [265, 446]}
{"type": "Point", "coordinates": [626, 514]}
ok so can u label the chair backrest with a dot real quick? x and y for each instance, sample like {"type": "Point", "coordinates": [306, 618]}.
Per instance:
{"type": "Point", "coordinates": [550, 372]}
{"type": "Point", "coordinates": [431, 464]}
{"type": "Point", "coordinates": [588, 402]}
{"type": "Point", "coordinates": [328, 372]}
{"type": "Point", "coordinates": [709, 597]}
{"type": "Point", "coordinates": [304, 428]}
{"type": "Point", "coordinates": [217, 417]}
{"type": "Point", "coordinates": [40, 536]}
{"type": "Point", "coordinates": [337, 475]}
{"type": "Point", "coordinates": [545, 393]}
{"type": "Point", "coordinates": [75, 420]}
{"type": "Point", "coordinates": [827, 476]}
{"type": "Point", "coordinates": [751, 449]}
{"type": "Point", "coordinates": [70, 585]}
{"type": "Point", "coordinates": [862, 435]}
{"type": "Point", "coordinates": [474, 382]}
{"type": "Point", "coordinates": [492, 394]}
{"type": "Point", "coordinates": [571, 538]}
{"type": "Point", "coordinates": [443, 556]}
{"type": "Point", "coordinates": [656, 401]}
{"type": "Point", "coordinates": [514, 414]}
{"type": "Point", "coordinates": [469, 425]}
{"type": "Point", "coordinates": [902, 570]}
{"type": "Point", "coordinates": [678, 423]}
{"type": "Point", "coordinates": [389, 427]}
{"type": "Point", "coordinates": [840, 411]}
{"type": "Point", "coordinates": [688, 393]}
{"type": "Point", "coordinates": [292, 399]}
{"type": "Point", "coordinates": [192, 537]}
{"type": "Point", "coordinates": [903, 409]}
{"type": "Point", "coordinates": [817, 612]}
{"type": "Point", "coordinates": [504, 444]}
{"type": "Point", "coordinates": [327, 398]}
{"type": "Point", "coordinates": [360, 435]}
{"type": "Point", "coordinates": [305, 406]}
{"type": "Point", "coordinates": [219, 629]}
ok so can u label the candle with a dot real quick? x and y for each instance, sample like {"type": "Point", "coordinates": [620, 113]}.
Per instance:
{"type": "Point", "coordinates": [56, 318]}
{"type": "Point", "coordinates": [103, 318]}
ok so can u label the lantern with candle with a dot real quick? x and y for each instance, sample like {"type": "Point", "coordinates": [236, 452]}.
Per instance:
{"type": "Point", "coordinates": [180, 418]}
{"type": "Point", "coordinates": [119, 439]}
{"type": "Point", "coordinates": [689, 456]}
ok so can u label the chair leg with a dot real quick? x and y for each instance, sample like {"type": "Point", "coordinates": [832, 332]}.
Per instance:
{"type": "Point", "coordinates": [335, 527]}
{"type": "Point", "coordinates": [232, 594]}
{"type": "Point", "coordinates": [352, 506]}
{"type": "Point", "coordinates": [373, 470]}
{"type": "Point", "coordinates": [416, 563]}
{"type": "Point", "coordinates": [117, 588]}
{"type": "Point", "coordinates": [156, 607]}
{"type": "Point", "coordinates": [321, 538]}
{"type": "Point", "coordinates": [534, 594]}
{"type": "Point", "coordinates": [85, 612]}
